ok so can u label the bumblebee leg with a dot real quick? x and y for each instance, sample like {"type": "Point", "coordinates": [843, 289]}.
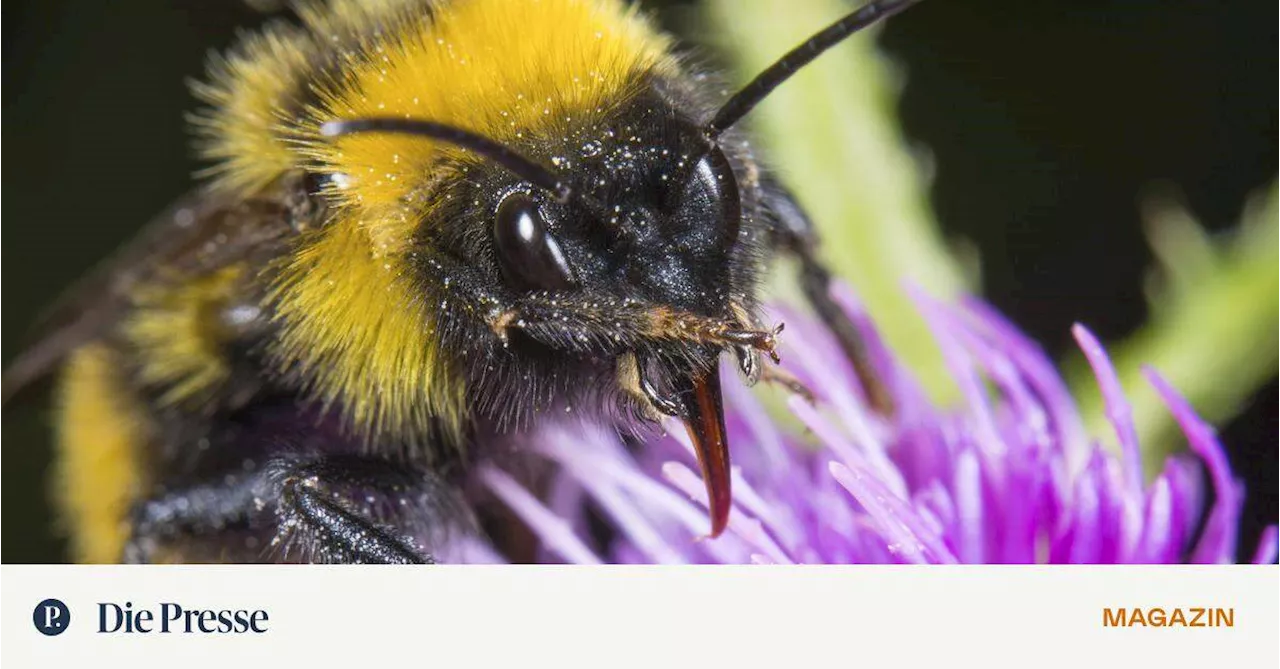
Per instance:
{"type": "Point", "coordinates": [338, 509]}
{"type": "Point", "coordinates": [325, 528]}
{"type": "Point", "coordinates": [167, 526]}
{"type": "Point", "coordinates": [353, 508]}
{"type": "Point", "coordinates": [795, 234]}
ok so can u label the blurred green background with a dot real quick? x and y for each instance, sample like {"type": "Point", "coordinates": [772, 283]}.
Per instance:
{"type": "Point", "coordinates": [1045, 126]}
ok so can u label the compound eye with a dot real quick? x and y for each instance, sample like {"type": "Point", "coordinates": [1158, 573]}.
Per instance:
{"type": "Point", "coordinates": [712, 181]}
{"type": "Point", "coordinates": [727, 190]}
{"type": "Point", "coordinates": [529, 256]}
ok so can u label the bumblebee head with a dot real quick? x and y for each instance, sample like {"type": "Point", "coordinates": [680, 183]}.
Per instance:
{"type": "Point", "coordinates": [627, 247]}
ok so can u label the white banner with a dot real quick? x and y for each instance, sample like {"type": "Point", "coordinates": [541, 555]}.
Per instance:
{"type": "Point", "coordinates": [660, 617]}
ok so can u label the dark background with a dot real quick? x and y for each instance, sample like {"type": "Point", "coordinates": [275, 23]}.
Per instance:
{"type": "Point", "coordinates": [1048, 121]}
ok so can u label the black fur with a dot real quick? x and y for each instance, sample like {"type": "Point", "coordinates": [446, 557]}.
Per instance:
{"type": "Point", "coordinates": [669, 241]}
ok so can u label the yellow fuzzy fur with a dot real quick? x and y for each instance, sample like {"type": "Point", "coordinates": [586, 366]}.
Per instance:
{"type": "Point", "coordinates": [100, 438]}
{"type": "Point", "coordinates": [178, 333]}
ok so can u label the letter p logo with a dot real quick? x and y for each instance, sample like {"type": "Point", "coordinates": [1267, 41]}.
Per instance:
{"type": "Point", "coordinates": [51, 617]}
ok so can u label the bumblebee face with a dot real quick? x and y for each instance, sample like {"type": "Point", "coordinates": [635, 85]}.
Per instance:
{"type": "Point", "coordinates": [651, 257]}
{"type": "Point", "coordinates": [638, 282]}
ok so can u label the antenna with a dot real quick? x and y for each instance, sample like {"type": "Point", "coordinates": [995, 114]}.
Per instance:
{"type": "Point", "coordinates": [746, 99]}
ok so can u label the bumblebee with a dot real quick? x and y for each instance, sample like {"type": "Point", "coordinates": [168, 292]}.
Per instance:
{"type": "Point", "coordinates": [428, 222]}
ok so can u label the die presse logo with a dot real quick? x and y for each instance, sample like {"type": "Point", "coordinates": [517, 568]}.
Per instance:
{"type": "Point", "coordinates": [52, 617]}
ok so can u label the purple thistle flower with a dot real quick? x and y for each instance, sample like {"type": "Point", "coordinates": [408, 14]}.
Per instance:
{"type": "Point", "coordinates": [1007, 476]}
